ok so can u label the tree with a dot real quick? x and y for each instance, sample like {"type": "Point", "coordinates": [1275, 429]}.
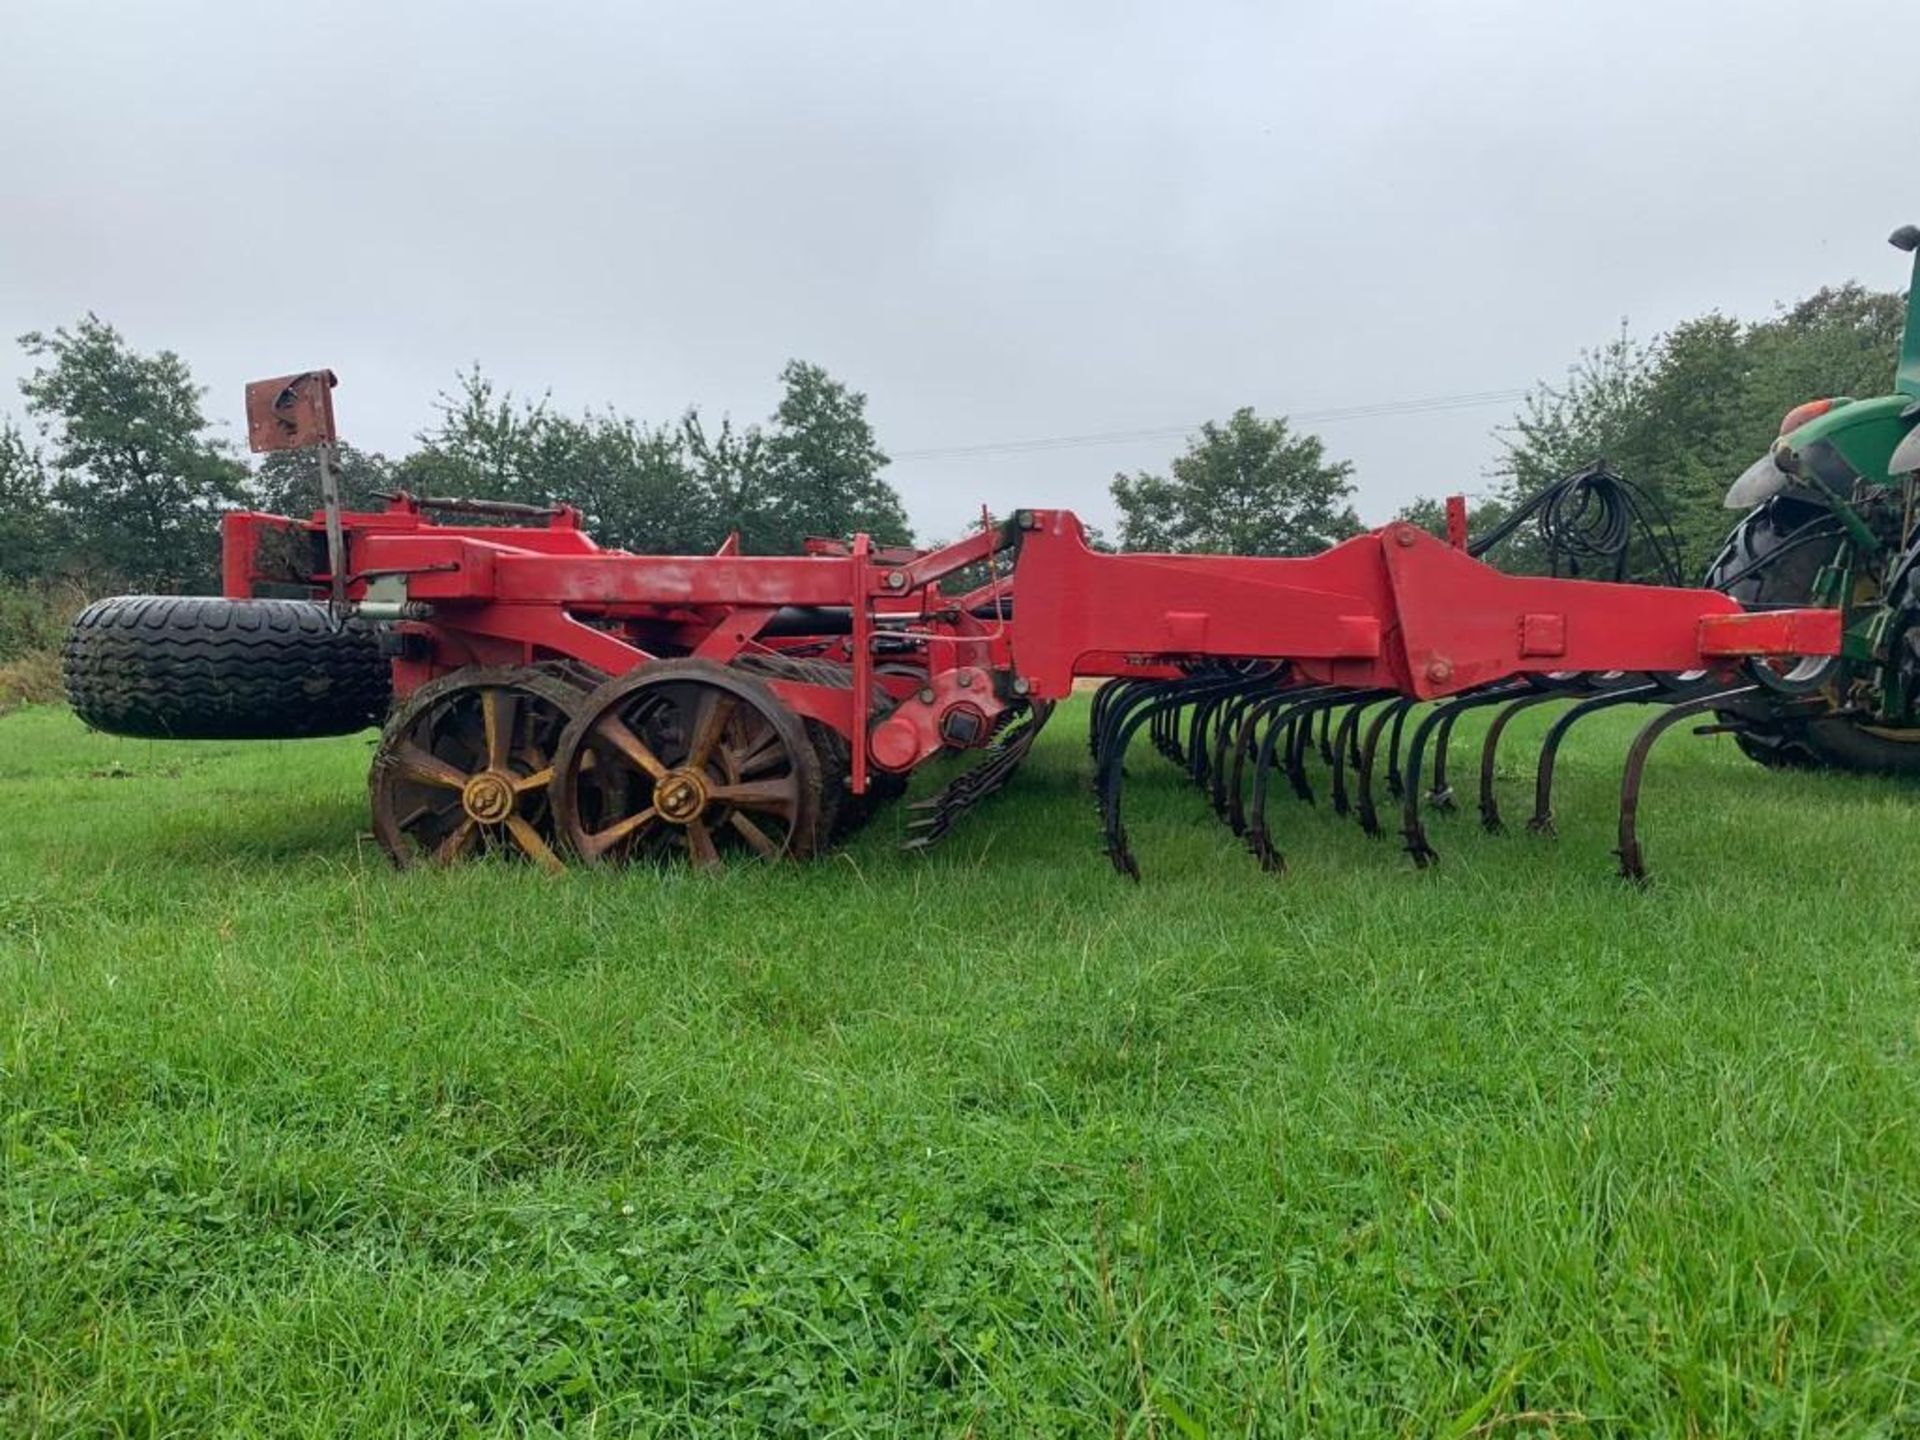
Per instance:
{"type": "Point", "coordinates": [813, 470]}
{"type": "Point", "coordinates": [135, 473]}
{"type": "Point", "coordinates": [823, 468]}
{"type": "Point", "coordinates": [731, 477]}
{"type": "Point", "coordinates": [481, 446]}
{"type": "Point", "coordinates": [29, 539]}
{"type": "Point", "coordinates": [287, 482]}
{"type": "Point", "coordinates": [1249, 487]}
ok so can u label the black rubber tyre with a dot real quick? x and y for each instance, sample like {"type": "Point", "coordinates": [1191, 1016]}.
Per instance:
{"type": "Point", "coordinates": [1741, 571]}
{"type": "Point", "coordinates": [181, 667]}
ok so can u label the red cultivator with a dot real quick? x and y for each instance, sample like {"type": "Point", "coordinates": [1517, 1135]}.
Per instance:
{"type": "Point", "coordinates": [555, 698]}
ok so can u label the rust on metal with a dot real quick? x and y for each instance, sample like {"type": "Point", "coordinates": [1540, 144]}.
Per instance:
{"type": "Point", "coordinates": [291, 412]}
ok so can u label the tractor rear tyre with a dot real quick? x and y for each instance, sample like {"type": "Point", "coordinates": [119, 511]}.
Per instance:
{"type": "Point", "coordinates": [1746, 569]}
{"type": "Point", "coordinates": [183, 667]}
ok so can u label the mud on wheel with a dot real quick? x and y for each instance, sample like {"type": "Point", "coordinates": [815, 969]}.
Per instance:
{"type": "Point", "coordinates": [464, 765]}
{"type": "Point", "coordinates": [685, 758]}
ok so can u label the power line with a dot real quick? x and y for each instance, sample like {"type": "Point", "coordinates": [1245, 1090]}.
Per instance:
{"type": "Point", "coordinates": [1373, 409]}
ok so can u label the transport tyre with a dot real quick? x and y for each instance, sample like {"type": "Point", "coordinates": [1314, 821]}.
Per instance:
{"type": "Point", "coordinates": [185, 667]}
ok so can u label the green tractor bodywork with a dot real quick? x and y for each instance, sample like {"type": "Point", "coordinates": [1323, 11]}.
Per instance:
{"type": "Point", "coordinates": [1833, 520]}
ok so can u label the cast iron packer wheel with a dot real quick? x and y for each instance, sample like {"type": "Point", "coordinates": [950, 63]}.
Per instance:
{"type": "Point", "coordinates": [1794, 528]}
{"type": "Point", "coordinates": [464, 765]}
{"type": "Point", "coordinates": [685, 757]}
{"type": "Point", "coordinates": [186, 667]}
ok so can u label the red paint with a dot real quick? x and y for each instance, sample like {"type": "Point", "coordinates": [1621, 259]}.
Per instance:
{"type": "Point", "coordinates": [1395, 608]}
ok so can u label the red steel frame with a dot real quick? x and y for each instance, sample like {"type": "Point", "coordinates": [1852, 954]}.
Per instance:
{"type": "Point", "coordinates": [1392, 609]}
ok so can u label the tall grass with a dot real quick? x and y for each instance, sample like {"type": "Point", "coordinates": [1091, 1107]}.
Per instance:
{"type": "Point", "coordinates": [988, 1142]}
{"type": "Point", "coordinates": [33, 622]}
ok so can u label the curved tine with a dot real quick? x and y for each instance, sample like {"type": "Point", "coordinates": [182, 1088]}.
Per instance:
{"type": "Point", "coordinates": [1224, 734]}
{"type": "Point", "coordinates": [1490, 819]}
{"type": "Point", "coordinates": [1325, 738]}
{"type": "Point", "coordinates": [1345, 740]}
{"type": "Point", "coordinates": [1195, 759]}
{"type": "Point", "coordinates": [1437, 725]}
{"type": "Point", "coordinates": [1104, 699]}
{"type": "Point", "coordinates": [1303, 741]}
{"type": "Point", "coordinates": [1410, 826]}
{"type": "Point", "coordinates": [1299, 738]}
{"type": "Point", "coordinates": [1135, 694]}
{"type": "Point", "coordinates": [1157, 731]}
{"type": "Point", "coordinates": [1632, 862]}
{"type": "Point", "coordinates": [1369, 816]}
{"type": "Point", "coordinates": [1177, 692]}
{"type": "Point", "coordinates": [1439, 791]}
{"type": "Point", "coordinates": [1116, 734]}
{"type": "Point", "coordinates": [1207, 721]}
{"type": "Point", "coordinates": [1259, 751]}
{"type": "Point", "coordinates": [1231, 747]}
{"type": "Point", "coordinates": [1169, 726]}
{"type": "Point", "coordinates": [1246, 746]}
{"type": "Point", "coordinates": [1395, 781]}
{"type": "Point", "coordinates": [1541, 821]}
{"type": "Point", "coordinates": [1259, 839]}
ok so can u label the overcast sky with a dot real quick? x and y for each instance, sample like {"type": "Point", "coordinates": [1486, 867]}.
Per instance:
{"type": "Point", "coordinates": [1000, 221]}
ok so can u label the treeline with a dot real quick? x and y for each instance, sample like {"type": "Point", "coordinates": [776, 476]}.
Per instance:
{"type": "Point", "coordinates": [121, 478]}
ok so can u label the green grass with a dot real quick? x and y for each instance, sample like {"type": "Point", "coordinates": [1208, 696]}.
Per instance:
{"type": "Point", "coordinates": [989, 1142]}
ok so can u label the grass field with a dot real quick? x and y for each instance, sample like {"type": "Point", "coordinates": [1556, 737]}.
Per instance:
{"type": "Point", "coordinates": [986, 1143]}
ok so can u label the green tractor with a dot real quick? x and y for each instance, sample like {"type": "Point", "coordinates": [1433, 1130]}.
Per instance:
{"type": "Point", "coordinates": [1833, 520]}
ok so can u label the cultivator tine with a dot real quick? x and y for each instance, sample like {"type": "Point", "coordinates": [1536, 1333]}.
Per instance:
{"type": "Point", "coordinates": [1320, 711]}
{"type": "Point", "coordinates": [1368, 815]}
{"type": "Point", "coordinates": [1226, 737]}
{"type": "Point", "coordinates": [1246, 747]}
{"type": "Point", "coordinates": [1439, 795]}
{"type": "Point", "coordinates": [935, 816]}
{"type": "Point", "coordinates": [1632, 862]}
{"type": "Point", "coordinates": [1104, 699]}
{"type": "Point", "coordinates": [1260, 751]}
{"type": "Point", "coordinates": [1346, 747]}
{"type": "Point", "coordinates": [1395, 781]}
{"type": "Point", "coordinates": [1541, 821]}
{"type": "Point", "coordinates": [1295, 731]}
{"type": "Point", "coordinates": [1283, 726]}
{"type": "Point", "coordinates": [1489, 752]}
{"type": "Point", "coordinates": [1121, 723]}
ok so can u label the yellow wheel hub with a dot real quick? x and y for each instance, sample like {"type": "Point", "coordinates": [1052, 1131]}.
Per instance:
{"type": "Point", "coordinates": [680, 796]}
{"type": "Point", "coordinates": [488, 797]}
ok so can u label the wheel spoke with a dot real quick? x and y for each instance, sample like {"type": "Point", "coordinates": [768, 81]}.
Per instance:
{"type": "Point", "coordinates": [773, 797]}
{"type": "Point", "coordinates": [767, 751]}
{"type": "Point", "coordinates": [428, 768]}
{"type": "Point", "coordinates": [529, 840]}
{"type": "Point", "coordinates": [753, 835]}
{"type": "Point", "coordinates": [614, 731]}
{"type": "Point", "coordinates": [700, 843]}
{"type": "Point", "coordinates": [457, 843]}
{"type": "Point", "coordinates": [598, 843]}
{"type": "Point", "coordinates": [497, 711]}
{"type": "Point", "coordinates": [716, 708]}
{"type": "Point", "coordinates": [538, 780]}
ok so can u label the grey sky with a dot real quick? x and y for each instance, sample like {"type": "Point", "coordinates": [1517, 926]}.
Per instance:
{"type": "Point", "coordinates": [1001, 221]}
